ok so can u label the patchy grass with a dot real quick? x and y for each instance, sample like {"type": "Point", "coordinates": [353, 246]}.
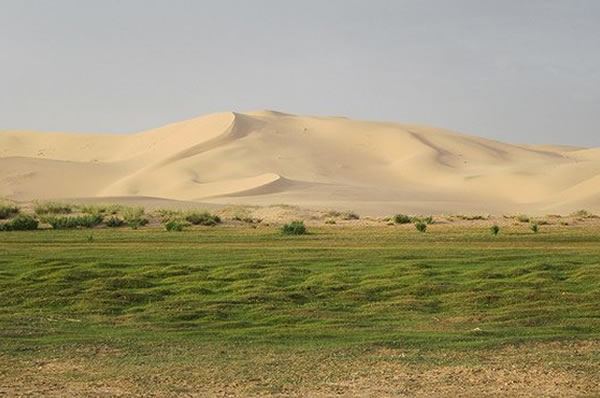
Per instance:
{"type": "Point", "coordinates": [384, 299]}
{"type": "Point", "coordinates": [45, 208]}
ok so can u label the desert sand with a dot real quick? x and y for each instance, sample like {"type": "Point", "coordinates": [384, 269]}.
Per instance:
{"type": "Point", "coordinates": [268, 157]}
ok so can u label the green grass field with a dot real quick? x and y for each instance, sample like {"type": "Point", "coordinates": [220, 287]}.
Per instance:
{"type": "Point", "coordinates": [219, 302]}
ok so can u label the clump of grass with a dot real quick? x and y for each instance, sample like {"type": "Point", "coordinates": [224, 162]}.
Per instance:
{"type": "Point", "coordinates": [71, 222]}
{"type": "Point", "coordinates": [333, 213]}
{"type": "Point", "coordinates": [350, 215]}
{"type": "Point", "coordinates": [8, 210]}
{"type": "Point", "coordinates": [101, 209]}
{"type": "Point", "coordinates": [494, 229]}
{"type": "Point", "coordinates": [166, 215]}
{"type": "Point", "coordinates": [534, 228]}
{"type": "Point", "coordinates": [202, 218]}
{"type": "Point", "coordinates": [421, 226]}
{"type": "Point", "coordinates": [294, 228]}
{"type": "Point", "coordinates": [114, 222]}
{"type": "Point", "coordinates": [402, 219]}
{"type": "Point", "coordinates": [22, 222]}
{"type": "Point", "coordinates": [330, 221]}
{"type": "Point", "coordinates": [44, 208]}
{"type": "Point", "coordinates": [523, 218]}
{"type": "Point", "coordinates": [175, 225]}
{"type": "Point", "coordinates": [134, 217]}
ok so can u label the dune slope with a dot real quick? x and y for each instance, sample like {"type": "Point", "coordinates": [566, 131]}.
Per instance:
{"type": "Point", "coordinates": [270, 157]}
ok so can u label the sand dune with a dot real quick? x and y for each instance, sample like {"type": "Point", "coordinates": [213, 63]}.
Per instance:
{"type": "Point", "coordinates": [271, 157]}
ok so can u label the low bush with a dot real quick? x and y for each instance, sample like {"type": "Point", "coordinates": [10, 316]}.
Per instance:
{"type": "Point", "coordinates": [134, 217]}
{"type": "Point", "coordinates": [402, 219]}
{"type": "Point", "coordinates": [330, 221]}
{"type": "Point", "coordinates": [8, 210]}
{"type": "Point", "coordinates": [175, 225]}
{"type": "Point", "coordinates": [21, 222]}
{"type": "Point", "coordinates": [494, 229]}
{"type": "Point", "coordinates": [43, 208]}
{"type": "Point", "coordinates": [114, 222]}
{"type": "Point", "coordinates": [294, 228]}
{"type": "Point", "coordinates": [523, 218]}
{"type": "Point", "coordinates": [534, 228]}
{"type": "Point", "coordinates": [205, 218]}
{"type": "Point", "coordinates": [71, 222]}
{"type": "Point", "coordinates": [421, 226]}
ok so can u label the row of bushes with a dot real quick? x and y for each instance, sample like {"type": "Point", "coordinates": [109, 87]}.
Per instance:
{"type": "Point", "coordinates": [404, 219]}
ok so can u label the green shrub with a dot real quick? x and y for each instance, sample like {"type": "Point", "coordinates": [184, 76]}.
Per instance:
{"type": "Point", "coordinates": [114, 222]}
{"type": "Point", "coordinates": [21, 222]}
{"type": "Point", "coordinates": [43, 208]}
{"type": "Point", "coordinates": [534, 228]}
{"type": "Point", "coordinates": [523, 218]}
{"type": "Point", "coordinates": [494, 229]}
{"type": "Point", "coordinates": [402, 219]}
{"type": "Point", "coordinates": [427, 220]}
{"type": "Point", "coordinates": [8, 210]}
{"type": "Point", "coordinates": [70, 222]}
{"type": "Point", "coordinates": [175, 225]}
{"type": "Point", "coordinates": [294, 228]}
{"type": "Point", "coordinates": [421, 226]}
{"type": "Point", "coordinates": [204, 218]}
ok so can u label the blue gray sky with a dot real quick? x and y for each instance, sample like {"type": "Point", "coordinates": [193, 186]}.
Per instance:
{"type": "Point", "coordinates": [524, 71]}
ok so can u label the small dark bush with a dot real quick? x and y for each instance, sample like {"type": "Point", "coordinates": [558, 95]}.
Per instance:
{"type": "Point", "coordinates": [115, 222]}
{"type": "Point", "coordinates": [8, 210]}
{"type": "Point", "coordinates": [44, 208]}
{"type": "Point", "coordinates": [402, 219]}
{"type": "Point", "coordinates": [294, 228]}
{"type": "Point", "coordinates": [204, 218]}
{"type": "Point", "coordinates": [494, 229]}
{"type": "Point", "coordinates": [523, 218]}
{"type": "Point", "coordinates": [21, 222]}
{"type": "Point", "coordinates": [175, 225]}
{"type": "Point", "coordinates": [421, 226]}
{"type": "Point", "coordinates": [70, 222]}
{"type": "Point", "coordinates": [534, 228]}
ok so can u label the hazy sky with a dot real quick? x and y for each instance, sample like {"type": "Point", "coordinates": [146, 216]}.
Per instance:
{"type": "Point", "coordinates": [520, 71]}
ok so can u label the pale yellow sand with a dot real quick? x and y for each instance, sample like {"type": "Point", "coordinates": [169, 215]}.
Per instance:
{"type": "Point", "coordinates": [269, 157]}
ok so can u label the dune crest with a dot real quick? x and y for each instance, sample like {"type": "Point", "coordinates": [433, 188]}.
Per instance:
{"type": "Point", "coordinates": [272, 157]}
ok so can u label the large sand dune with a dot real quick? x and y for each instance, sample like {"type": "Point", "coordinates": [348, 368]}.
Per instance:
{"type": "Point", "coordinates": [270, 157]}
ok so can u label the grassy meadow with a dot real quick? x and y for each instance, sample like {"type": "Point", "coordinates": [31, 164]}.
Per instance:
{"type": "Point", "coordinates": [248, 311]}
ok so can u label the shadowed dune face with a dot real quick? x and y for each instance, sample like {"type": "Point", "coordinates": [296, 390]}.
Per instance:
{"type": "Point", "coordinates": [271, 157]}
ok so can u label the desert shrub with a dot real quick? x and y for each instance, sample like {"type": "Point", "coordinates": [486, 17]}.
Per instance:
{"type": "Point", "coordinates": [43, 208]}
{"type": "Point", "coordinates": [582, 214]}
{"type": "Point", "coordinates": [427, 220]}
{"type": "Point", "coordinates": [330, 221]}
{"type": "Point", "coordinates": [541, 222]}
{"type": "Point", "coordinates": [350, 215]}
{"type": "Point", "coordinates": [114, 222]}
{"type": "Point", "coordinates": [421, 226]}
{"type": "Point", "coordinates": [494, 229]}
{"type": "Point", "coordinates": [21, 222]}
{"type": "Point", "coordinates": [70, 222]}
{"type": "Point", "coordinates": [8, 210]}
{"type": "Point", "coordinates": [534, 228]}
{"type": "Point", "coordinates": [294, 228]}
{"type": "Point", "coordinates": [175, 225]}
{"type": "Point", "coordinates": [402, 219]}
{"type": "Point", "coordinates": [204, 218]}
{"type": "Point", "coordinates": [523, 218]}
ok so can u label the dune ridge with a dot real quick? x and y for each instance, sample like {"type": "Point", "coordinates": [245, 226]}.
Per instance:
{"type": "Point", "coordinates": [272, 157]}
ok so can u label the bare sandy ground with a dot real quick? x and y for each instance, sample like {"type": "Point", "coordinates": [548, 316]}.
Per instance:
{"type": "Point", "coordinates": [267, 157]}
